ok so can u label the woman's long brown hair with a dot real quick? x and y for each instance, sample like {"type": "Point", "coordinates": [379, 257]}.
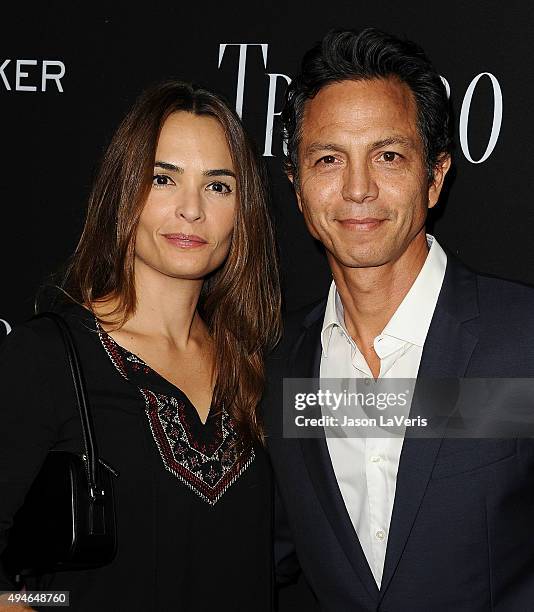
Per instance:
{"type": "Point", "coordinates": [240, 302]}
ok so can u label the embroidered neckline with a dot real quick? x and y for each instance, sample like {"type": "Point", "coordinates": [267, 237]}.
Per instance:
{"type": "Point", "coordinates": [207, 467]}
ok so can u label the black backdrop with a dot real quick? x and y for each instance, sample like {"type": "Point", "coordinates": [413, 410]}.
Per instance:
{"type": "Point", "coordinates": [52, 139]}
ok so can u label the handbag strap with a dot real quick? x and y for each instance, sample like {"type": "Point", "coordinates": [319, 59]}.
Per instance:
{"type": "Point", "coordinates": [89, 439]}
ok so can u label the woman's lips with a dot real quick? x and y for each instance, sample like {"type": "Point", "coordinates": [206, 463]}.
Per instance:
{"type": "Point", "coordinates": [185, 241]}
{"type": "Point", "coordinates": [364, 224]}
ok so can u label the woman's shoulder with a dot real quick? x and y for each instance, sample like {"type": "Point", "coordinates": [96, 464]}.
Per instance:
{"type": "Point", "coordinates": [39, 338]}
{"type": "Point", "coordinates": [34, 366]}
{"type": "Point", "coordinates": [31, 335]}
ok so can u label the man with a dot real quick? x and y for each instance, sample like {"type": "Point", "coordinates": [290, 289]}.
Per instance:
{"type": "Point", "coordinates": [395, 524]}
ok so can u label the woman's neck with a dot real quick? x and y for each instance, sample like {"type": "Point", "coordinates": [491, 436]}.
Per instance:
{"type": "Point", "coordinates": [166, 308]}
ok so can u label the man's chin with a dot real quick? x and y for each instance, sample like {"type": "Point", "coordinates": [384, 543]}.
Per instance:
{"type": "Point", "coordinates": [361, 260]}
{"type": "Point", "coordinates": [361, 264]}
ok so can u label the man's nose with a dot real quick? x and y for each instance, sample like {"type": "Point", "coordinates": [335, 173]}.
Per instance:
{"type": "Point", "coordinates": [359, 183]}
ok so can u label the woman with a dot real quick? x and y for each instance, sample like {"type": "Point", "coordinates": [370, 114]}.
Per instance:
{"type": "Point", "coordinates": [174, 298]}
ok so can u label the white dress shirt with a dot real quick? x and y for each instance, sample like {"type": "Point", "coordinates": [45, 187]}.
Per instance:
{"type": "Point", "coordinates": [366, 468]}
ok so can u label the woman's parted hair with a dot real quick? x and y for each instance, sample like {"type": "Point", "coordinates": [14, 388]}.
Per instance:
{"type": "Point", "coordinates": [350, 55]}
{"type": "Point", "coordinates": [240, 302]}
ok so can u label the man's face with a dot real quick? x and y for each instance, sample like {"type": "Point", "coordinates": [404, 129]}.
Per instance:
{"type": "Point", "coordinates": [363, 184]}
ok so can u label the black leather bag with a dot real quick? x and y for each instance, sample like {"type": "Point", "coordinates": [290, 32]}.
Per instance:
{"type": "Point", "coordinates": [67, 521]}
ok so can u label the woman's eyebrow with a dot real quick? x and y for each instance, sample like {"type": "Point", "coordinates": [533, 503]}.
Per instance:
{"type": "Point", "coordinates": [219, 172]}
{"type": "Point", "coordinates": [214, 172]}
{"type": "Point", "coordinates": [168, 166]}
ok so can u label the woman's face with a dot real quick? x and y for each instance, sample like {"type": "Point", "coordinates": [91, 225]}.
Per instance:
{"type": "Point", "coordinates": [185, 228]}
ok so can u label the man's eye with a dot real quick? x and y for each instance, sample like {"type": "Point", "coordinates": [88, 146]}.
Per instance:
{"type": "Point", "coordinates": [389, 156]}
{"type": "Point", "coordinates": [327, 159]}
{"type": "Point", "coordinates": [162, 180]}
{"type": "Point", "coordinates": [220, 187]}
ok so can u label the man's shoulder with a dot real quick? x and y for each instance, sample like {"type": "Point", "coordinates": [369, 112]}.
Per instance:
{"type": "Point", "coordinates": [519, 292]}
{"type": "Point", "coordinates": [498, 306]}
{"type": "Point", "coordinates": [296, 319]}
{"type": "Point", "coordinates": [295, 322]}
{"type": "Point", "coordinates": [494, 292]}
{"type": "Point", "coordinates": [506, 309]}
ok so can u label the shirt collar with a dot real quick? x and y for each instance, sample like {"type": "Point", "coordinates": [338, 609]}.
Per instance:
{"type": "Point", "coordinates": [333, 317]}
{"type": "Point", "coordinates": [411, 320]}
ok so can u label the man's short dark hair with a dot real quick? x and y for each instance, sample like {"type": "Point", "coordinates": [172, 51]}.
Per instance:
{"type": "Point", "coordinates": [350, 55]}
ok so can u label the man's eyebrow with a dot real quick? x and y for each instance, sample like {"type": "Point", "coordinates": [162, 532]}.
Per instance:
{"type": "Point", "coordinates": [393, 140]}
{"type": "Point", "coordinates": [314, 147]}
{"type": "Point", "coordinates": [215, 172]}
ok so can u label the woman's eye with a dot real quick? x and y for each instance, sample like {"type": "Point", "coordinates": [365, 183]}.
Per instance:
{"type": "Point", "coordinates": [219, 187]}
{"type": "Point", "coordinates": [162, 180]}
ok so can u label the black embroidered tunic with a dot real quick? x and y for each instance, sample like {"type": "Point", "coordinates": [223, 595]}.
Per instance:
{"type": "Point", "coordinates": [194, 518]}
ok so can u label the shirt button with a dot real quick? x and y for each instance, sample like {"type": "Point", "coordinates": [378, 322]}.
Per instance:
{"type": "Point", "coordinates": [366, 382]}
{"type": "Point", "coordinates": [380, 535]}
{"type": "Point", "coordinates": [376, 458]}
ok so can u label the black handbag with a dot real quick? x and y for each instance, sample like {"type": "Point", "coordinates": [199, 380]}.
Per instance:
{"type": "Point", "coordinates": [67, 521]}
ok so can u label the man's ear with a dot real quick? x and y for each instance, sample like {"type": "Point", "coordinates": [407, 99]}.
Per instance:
{"type": "Point", "coordinates": [440, 171]}
{"type": "Point", "coordinates": [294, 182]}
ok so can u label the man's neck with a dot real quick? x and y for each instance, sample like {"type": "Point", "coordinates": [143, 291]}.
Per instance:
{"type": "Point", "coordinates": [370, 296]}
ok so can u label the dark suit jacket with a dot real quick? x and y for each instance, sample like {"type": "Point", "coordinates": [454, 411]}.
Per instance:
{"type": "Point", "coordinates": [462, 530]}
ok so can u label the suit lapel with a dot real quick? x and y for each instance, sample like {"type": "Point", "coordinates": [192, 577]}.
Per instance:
{"type": "Point", "coordinates": [305, 363]}
{"type": "Point", "coordinates": [446, 354]}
